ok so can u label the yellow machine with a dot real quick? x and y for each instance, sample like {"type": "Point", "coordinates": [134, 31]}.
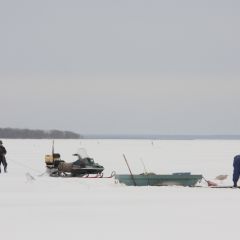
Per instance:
{"type": "Point", "coordinates": [52, 160]}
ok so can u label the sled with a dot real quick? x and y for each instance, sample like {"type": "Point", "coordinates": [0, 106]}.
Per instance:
{"type": "Point", "coordinates": [175, 179]}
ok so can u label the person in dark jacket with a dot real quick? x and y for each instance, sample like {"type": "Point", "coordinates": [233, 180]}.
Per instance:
{"type": "Point", "coordinates": [236, 170]}
{"type": "Point", "coordinates": [2, 157]}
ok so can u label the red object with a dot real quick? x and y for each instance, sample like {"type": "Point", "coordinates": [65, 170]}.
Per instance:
{"type": "Point", "coordinates": [211, 184]}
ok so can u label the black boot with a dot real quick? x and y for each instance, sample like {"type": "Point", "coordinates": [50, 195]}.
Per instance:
{"type": "Point", "coordinates": [235, 184]}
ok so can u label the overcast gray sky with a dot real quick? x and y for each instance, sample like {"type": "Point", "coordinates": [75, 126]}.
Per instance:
{"type": "Point", "coordinates": [121, 67]}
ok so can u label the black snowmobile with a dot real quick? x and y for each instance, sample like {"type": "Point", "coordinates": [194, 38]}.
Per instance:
{"type": "Point", "coordinates": [82, 167]}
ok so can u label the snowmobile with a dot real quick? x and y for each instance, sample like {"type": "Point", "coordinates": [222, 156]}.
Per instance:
{"type": "Point", "coordinates": [82, 167]}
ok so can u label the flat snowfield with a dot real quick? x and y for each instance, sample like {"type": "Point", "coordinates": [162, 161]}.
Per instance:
{"type": "Point", "coordinates": [35, 206]}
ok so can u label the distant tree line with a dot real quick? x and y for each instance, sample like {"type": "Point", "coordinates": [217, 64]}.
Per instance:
{"type": "Point", "coordinates": [37, 134]}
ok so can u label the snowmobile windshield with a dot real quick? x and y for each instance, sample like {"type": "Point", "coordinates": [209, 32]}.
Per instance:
{"type": "Point", "coordinates": [82, 153]}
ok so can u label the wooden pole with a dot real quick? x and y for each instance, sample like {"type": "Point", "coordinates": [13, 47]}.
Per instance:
{"type": "Point", "coordinates": [52, 148]}
{"type": "Point", "coordinates": [134, 182]}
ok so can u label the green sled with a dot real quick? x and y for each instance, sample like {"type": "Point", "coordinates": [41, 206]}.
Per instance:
{"type": "Point", "coordinates": [175, 179]}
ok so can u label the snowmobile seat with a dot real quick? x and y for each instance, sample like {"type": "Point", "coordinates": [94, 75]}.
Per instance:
{"type": "Point", "coordinates": [56, 156]}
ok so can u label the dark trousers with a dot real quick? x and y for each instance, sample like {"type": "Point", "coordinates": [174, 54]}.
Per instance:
{"type": "Point", "coordinates": [236, 170]}
{"type": "Point", "coordinates": [4, 163]}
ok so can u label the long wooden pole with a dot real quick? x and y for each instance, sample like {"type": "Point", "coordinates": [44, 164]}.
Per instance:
{"type": "Point", "coordinates": [134, 182]}
{"type": "Point", "coordinates": [52, 148]}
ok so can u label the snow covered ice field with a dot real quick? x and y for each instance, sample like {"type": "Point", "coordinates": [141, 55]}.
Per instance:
{"type": "Point", "coordinates": [74, 208]}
